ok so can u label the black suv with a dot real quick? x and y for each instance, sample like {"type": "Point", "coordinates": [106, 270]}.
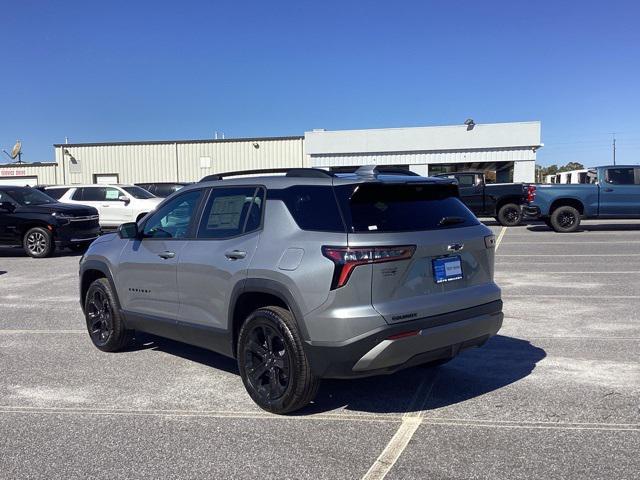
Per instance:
{"type": "Point", "coordinates": [40, 224]}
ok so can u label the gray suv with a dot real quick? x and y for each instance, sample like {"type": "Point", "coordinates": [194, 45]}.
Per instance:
{"type": "Point", "coordinates": [300, 277]}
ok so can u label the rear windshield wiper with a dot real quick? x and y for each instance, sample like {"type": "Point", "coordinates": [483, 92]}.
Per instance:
{"type": "Point", "coordinates": [444, 221]}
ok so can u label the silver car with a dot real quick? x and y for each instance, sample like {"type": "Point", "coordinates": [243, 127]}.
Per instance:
{"type": "Point", "coordinates": [300, 277]}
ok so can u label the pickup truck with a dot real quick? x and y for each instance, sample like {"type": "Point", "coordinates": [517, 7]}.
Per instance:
{"type": "Point", "coordinates": [614, 193]}
{"type": "Point", "coordinates": [503, 201]}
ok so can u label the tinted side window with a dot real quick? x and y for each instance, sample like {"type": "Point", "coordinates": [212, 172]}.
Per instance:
{"type": "Point", "coordinates": [56, 192]}
{"type": "Point", "coordinates": [91, 194]}
{"type": "Point", "coordinates": [313, 207]}
{"type": "Point", "coordinates": [231, 211]}
{"type": "Point", "coordinates": [4, 197]}
{"type": "Point", "coordinates": [466, 180]}
{"type": "Point", "coordinates": [78, 194]}
{"type": "Point", "coordinates": [174, 218]}
{"type": "Point", "coordinates": [621, 176]}
{"type": "Point", "coordinates": [164, 190]}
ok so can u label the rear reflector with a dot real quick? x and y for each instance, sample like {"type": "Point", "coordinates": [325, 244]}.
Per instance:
{"type": "Point", "coordinates": [490, 241]}
{"type": "Point", "coordinates": [397, 336]}
{"type": "Point", "coordinates": [347, 259]}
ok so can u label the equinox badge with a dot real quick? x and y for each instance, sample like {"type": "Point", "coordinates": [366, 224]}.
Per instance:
{"type": "Point", "coordinates": [455, 247]}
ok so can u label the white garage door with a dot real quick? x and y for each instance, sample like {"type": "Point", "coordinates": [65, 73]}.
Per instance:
{"type": "Point", "coordinates": [19, 181]}
{"type": "Point", "coordinates": [103, 179]}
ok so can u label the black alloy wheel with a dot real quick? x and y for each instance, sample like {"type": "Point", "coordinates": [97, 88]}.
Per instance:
{"type": "Point", "coordinates": [99, 318]}
{"type": "Point", "coordinates": [565, 219]}
{"type": "Point", "coordinates": [267, 362]}
{"type": "Point", "coordinates": [510, 215]}
{"type": "Point", "coordinates": [104, 321]}
{"type": "Point", "coordinates": [273, 365]}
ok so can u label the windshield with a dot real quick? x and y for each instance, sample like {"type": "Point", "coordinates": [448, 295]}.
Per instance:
{"type": "Point", "coordinates": [28, 196]}
{"type": "Point", "coordinates": [137, 192]}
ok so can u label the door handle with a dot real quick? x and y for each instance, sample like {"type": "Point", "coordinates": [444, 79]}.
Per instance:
{"type": "Point", "coordinates": [167, 255]}
{"type": "Point", "coordinates": [235, 254]}
{"type": "Point", "coordinates": [608, 189]}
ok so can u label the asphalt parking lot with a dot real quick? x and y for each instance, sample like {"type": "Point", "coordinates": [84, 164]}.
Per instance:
{"type": "Point", "coordinates": [555, 395]}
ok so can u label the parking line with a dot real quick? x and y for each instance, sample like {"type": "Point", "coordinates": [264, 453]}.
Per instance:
{"type": "Point", "coordinates": [411, 420]}
{"type": "Point", "coordinates": [20, 332]}
{"type": "Point", "coordinates": [500, 236]}
{"type": "Point", "coordinates": [572, 243]}
{"type": "Point", "coordinates": [573, 273]}
{"type": "Point", "coordinates": [599, 297]}
{"type": "Point", "coordinates": [196, 413]}
{"type": "Point", "coordinates": [563, 255]}
{"type": "Point", "coordinates": [545, 426]}
{"type": "Point", "coordinates": [258, 415]}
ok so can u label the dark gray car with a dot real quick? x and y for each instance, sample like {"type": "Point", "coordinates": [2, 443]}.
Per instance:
{"type": "Point", "coordinates": [301, 277]}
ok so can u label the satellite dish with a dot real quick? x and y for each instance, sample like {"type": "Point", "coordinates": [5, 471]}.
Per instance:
{"type": "Point", "coordinates": [16, 151]}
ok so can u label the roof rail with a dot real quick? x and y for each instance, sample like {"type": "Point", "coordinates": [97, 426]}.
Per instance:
{"type": "Point", "coordinates": [289, 172]}
{"type": "Point", "coordinates": [309, 173]}
{"type": "Point", "coordinates": [374, 170]}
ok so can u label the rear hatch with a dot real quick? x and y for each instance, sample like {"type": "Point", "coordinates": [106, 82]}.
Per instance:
{"type": "Point", "coordinates": [447, 260]}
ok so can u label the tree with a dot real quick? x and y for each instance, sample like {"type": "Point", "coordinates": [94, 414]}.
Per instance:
{"type": "Point", "coordinates": [571, 166]}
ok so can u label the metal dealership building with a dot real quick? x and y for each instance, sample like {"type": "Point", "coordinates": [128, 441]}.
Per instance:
{"type": "Point", "coordinates": [506, 151]}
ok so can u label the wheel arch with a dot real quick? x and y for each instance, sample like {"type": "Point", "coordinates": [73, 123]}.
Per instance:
{"type": "Point", "coordinates": [32, 224]}
{"type": "Point", "coordinates": [567, 201]}
{"type": "Point", "coordinates": [255, 293]}
{"type": "Point", "coordinates": [92, 270]}
{"type": "Point", "coordinates": [508, 199]}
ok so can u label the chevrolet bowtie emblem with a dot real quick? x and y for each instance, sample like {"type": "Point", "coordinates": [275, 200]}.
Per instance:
{"type": "Point", "coordinates": [455, 247]}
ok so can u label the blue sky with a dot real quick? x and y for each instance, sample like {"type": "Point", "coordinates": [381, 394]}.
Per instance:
{"type": "Point", "coordinates": [136, 70]}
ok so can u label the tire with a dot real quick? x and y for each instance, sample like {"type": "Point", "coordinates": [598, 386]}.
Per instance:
{"type": "Point", "coordinates": [565, 219]}
{"type": "Point", "coordinates": [272, 363]}
{"type": "Point", "coordinates": [104, 322]}
{"type": "Point", "coordinates": [510, 215]}
{"type": "Point", "coordinates": [38, 242]}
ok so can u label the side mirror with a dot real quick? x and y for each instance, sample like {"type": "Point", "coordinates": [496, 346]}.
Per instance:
{"type": "Point", "coordinates": [125, 199]}
{"type": "Point", "coordinates": [128, 230]}
{"type": "Point", "coordinates": [7, 207]}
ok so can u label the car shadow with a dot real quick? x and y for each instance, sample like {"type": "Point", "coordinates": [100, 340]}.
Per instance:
{"type": "Point", "coordinates": [147, 341]}
{"type": "Point", "coordinates": [599, 227]}
{"type": "Point", "coordinates": [18, 252]}
{"type": "Point", "coordinates": [2, 272]}
{"type": "Point", "coordinates": [500, 362]}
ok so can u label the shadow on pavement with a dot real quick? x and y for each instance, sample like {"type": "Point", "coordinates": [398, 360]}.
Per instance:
{"type": "Point", "coordinates": [500, 362]}
{"type": "Point", "coordinates": [18, 252]}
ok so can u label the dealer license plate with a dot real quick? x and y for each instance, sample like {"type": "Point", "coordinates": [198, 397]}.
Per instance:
{"type": "Point", "coordinates": [447, 269]}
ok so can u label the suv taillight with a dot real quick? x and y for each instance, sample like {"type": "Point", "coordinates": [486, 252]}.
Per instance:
{"type": "Point", "coordinates": [346, 259]}
{"type": "Point", "coordinates": [531, 193]}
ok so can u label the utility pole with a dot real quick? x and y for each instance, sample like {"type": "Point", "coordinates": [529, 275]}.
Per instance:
{"type": "Point", "coordinates": [614, 148]}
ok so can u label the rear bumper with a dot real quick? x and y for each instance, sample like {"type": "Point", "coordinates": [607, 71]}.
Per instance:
{"type": "Point", "coordinates": [439, 337]}
{"type": "Point", "coordinates": [531, 211]}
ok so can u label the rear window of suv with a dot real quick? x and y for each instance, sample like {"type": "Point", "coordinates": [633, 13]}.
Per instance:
{"type": "Point", "coordinates": [375, 207]}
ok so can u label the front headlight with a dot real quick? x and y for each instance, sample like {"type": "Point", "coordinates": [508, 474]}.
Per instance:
{"type": "Point", "coordinates": [62, 216]}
